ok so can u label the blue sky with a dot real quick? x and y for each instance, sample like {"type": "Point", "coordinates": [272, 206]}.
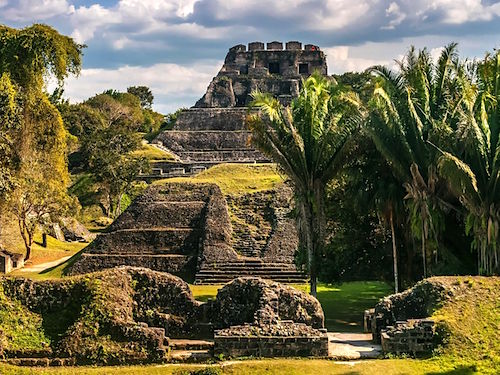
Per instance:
{"type": "Point", "coordinates": [177, 46]}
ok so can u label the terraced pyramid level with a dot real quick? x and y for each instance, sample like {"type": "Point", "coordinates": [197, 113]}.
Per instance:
{"type": "Point", "coordinates": [164, 229]}
{"type": "Point", "coordinates": [214, 131]}
{"type": "Point", "coordinates": [190, 230]}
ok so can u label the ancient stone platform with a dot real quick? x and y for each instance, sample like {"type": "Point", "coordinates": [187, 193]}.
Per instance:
{"type": "Point", "coordinates": [185, 229]}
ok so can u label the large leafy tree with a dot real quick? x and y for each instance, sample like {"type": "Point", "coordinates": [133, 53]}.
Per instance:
{"type": "Point", "coordinates": [308, 141]}
{"type": "Point", "coordinates": [411, 109]}
{"type": "Point", "coordinates": [27, 57]}
{"type": "Point", "coordinates": [473, 170]}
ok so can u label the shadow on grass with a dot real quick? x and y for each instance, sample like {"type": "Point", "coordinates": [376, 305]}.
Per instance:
{"type": "Point", "coordinates": [344, 304]}
{"type": "Point", "coordinates": [65, 265]}
{"type": "Point", "coordinates": [460, 370]}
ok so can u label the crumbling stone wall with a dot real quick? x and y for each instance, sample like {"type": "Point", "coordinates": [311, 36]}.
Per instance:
{"type": "Point", "coordinates": [414, 336]}
{"type": "Point", "coordinates": [418, 302]}
{"type": "Point", "coordinates": [401, 323]}
{"type": "Point", "coordinates": [263, 226]}
{"type": "Point", "coordinates": [274, 70]}
{"type": "Point", "coordinates": [285, 339]}
{"type": "Point", "coordinates": [257, 301]}
{"type": "Point", "coordinates": [128, 314]}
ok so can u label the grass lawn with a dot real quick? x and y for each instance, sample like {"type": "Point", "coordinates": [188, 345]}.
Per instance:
{"type": "Point", "coordinates": [153, 153]}
{"type": "Point", "coordinates": [236, 178]}
{"type": "Point", "coordinates": [55, 250]}
{"type": "Point", "coordinates": [267, 366]}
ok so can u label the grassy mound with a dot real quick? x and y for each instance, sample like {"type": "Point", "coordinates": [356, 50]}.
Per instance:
{"type": "Point", "coordinates": [235, 179]}
{"type": "Point", "coordinates": [471, 317]}
{"type": "Point", "coordinates": [466, 311]}
{"type": "Point", "coordinates": [153, 153]}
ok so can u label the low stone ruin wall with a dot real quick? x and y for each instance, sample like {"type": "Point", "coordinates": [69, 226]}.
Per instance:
{"type": "Point", "coordinates": [409, 336]}
{"type": "Point", "coordinates": [128, 315]}
{"type": "Point", "coordinates": [286, 339]}
{"type": "Point", "coordinates": [401, 322]}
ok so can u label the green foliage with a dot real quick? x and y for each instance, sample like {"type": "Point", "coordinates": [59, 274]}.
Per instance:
{"type": "Point", "coordinates": [144, 94]}
{"type": "Point", "coordinates": [410, 110]}
{"type": "Point", "coordinates": [10, 122]}
{"type": "Point", "coordinates": [32, 135]}
{"type": "Point", "coordinates": [21, 329]}
{"type": "Point", "coordinates": [309, 141]}
{"type": "Point", "coordinates": [33, 53]}
{"type": "Point", "coordinates": [472, 169]}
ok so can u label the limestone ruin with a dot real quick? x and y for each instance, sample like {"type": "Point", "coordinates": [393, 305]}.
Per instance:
{"type": "Point", "coordinates": [194, 230]}
{"type": "Point", "coordinates": [185, 229]}
{"type": "Point", "coordinates": [214, 130]}
{"type": "Point", "coordinates": [135, 315]}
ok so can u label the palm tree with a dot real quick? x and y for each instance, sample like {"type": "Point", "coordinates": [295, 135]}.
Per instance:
{"type": "Point", "coordinates": [308, 140]}
{"type": "Point", "coordinates": [409, 108]}
{"type": "Point", "coordinates": [473, 171]}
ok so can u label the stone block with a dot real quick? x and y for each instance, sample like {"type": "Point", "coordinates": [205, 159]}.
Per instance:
{"type": "Point", "coordinates": [238, 48]}
{"type": "Point", "coordinates": [275, 45]}
{"type": "Point", "coordinates": [255, 46]}
{"type": "Point", "coordinates": [293, 45]}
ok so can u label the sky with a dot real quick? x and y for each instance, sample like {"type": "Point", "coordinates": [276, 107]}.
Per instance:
{"type": "Point", "coordinates": [176, 46]}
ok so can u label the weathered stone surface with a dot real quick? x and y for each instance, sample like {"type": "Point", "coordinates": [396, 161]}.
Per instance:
{"type": "Point", "coordinates": [417, 302]}
{"type": "Point", "coordinates": [400, 321]}
{"type": "Point", "coordinates": [73, 230]}
{"type": "Point", "coordinates": [282, 339]}
{"type": "Point", "coordinates": [413, 336]}
{"type": "Point", "coordinates": [125, 314]}
{"type": "Point", "coordinates": [169, 228]}
{"type": "Point", "coordinates": [274, 70]}
{"type": "Point", "coordinates": [254, 300]}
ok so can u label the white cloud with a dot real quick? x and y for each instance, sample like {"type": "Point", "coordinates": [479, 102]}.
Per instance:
{"type": "Point", "coordinates": [34, 10]}
{"type": "Point", "coordinates": [340, 60]}
{"type": "Point", "coordinates": [396, 15]}
{"type": "Point", "coordinates": [170, 81]}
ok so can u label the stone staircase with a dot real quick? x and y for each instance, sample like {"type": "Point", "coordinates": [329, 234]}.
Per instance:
{"type": "Point", "coordinates": [224, 272]}
{"type": "Point", "coordinates": [187, 350]}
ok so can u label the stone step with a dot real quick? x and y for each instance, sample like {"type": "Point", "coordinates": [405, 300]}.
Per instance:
{"type": "Point", "coordinates": [191, 355]}
{"type": "Point", "coordinates": [236, 274]}
{"type": "Point", "coordinates": [212, 281]}
{"type": "Point", "coordinates": [189, 344]}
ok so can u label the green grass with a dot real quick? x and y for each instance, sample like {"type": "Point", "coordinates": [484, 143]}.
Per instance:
{"type": "Point", "coordinates": [152, 153]}
{"type": "Point", "coordinates": [236, 178]}
{"type": "Point", "coordinates": [473, 320]}
{"type": "Point", "coordinates": [266, 366]}
{"type": "Point", "coordinates": [21, 328]}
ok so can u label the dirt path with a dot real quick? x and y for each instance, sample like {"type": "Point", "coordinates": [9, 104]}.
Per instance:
{"type": "Point", "coordinates": [352, 346]}
{"type": "Point", "coordinates": [43, 266]}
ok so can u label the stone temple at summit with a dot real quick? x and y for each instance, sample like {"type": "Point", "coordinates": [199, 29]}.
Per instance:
{"type": "Point", "coordinates": [195, 230]}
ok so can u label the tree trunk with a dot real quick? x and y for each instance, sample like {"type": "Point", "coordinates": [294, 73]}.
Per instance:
{"type": "Point", "coordinates": [424, 257]}
{"type": "Point", "coordinates": [394, 254]}
{"type": "Point", "coordinates": [44, 239]}
{"type": "Point", "coordinates": [118, 210]}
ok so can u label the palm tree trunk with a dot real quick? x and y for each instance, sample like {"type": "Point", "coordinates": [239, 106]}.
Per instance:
{"type": "Point", "coordinates": [424, 257]}
{"type": "Point", "coordinates": [394, 253]}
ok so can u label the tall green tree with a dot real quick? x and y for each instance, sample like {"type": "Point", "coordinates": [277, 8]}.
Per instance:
{"type": "Point", "coordinates": [144, 94]}
{"type": "Point", "coordinates": [410, 108]}
{"type": "Point", "coordinates": [308, 141]}
{"type": "Point", "coordinates": [28, 56]}
{"type": "Point", "coordinates": [473, 170]}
